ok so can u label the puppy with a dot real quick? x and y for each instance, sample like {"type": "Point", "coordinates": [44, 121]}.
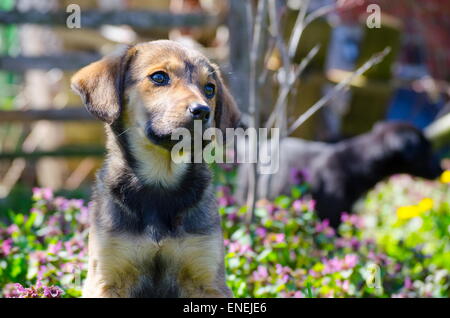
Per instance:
{"type": "Point", "coordinates": [155, 229]}
{"type": "Point", "coordinates": [339, 174]}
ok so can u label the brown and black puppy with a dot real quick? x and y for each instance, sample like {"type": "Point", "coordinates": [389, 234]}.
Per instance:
{"type": "Point", "coordinates": [155, 229]}
{"type": "Point", "coordinates": [339, 174]}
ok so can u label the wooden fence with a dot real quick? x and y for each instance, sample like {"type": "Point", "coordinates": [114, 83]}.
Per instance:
{"type": "Point", "coordinates": [139, 20]}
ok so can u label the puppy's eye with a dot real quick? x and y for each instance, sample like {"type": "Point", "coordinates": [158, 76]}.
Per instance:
{"type": "Point", "coordinates": [210, 90]}
{"type": "Point", "coordinates": [160, 78]}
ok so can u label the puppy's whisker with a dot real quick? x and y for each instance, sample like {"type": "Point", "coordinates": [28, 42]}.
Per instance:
{"type": "Point", "coordinates": [123, 132]}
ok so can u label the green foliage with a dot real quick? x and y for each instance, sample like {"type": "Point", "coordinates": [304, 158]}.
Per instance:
{"type": "Point", "coordinates": [398, 246]}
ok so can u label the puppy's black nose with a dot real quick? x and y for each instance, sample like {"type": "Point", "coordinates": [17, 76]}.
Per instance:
{"type": "Point", "coordinates": [199, 111]}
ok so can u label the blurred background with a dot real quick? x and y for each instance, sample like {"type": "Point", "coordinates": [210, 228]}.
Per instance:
{"type": "Point", "coordinates": [47, 139]}
{"type": "Point", "coordinates": [279, 58]}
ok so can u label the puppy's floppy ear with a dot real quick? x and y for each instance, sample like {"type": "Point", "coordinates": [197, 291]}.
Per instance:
{"type": "Point", "coordinates": [100, 84]}
{"type": "Point", "coordinates": [227, 114]}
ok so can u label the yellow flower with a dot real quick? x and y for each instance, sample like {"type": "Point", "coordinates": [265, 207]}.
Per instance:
{"type": "Point", "coordinates": [425, 205]}
{"type": "Point", "coordinates": [445, 176]}
{"type": "Point", "coordinates": [411, 211]}
{"type": "Point", "coordinates": [407, 212]}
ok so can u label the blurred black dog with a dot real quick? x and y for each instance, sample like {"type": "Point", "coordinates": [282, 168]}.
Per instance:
{"type": "Point", "coordinates": [339, 174]}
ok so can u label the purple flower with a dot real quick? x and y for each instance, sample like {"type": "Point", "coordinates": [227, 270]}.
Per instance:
{"type": "Point", "coordinates": [302, 204]}
{"type": "Point", "coordinates": [311, 205]}
{"type": "Point", "coordinates": [240, 249]}
{"type": "Point", "coordinates": [274, 238]}
{"type": "Point", "coordinates": [226, 166]}
{"type": "Point", "coordinates": [39, 257]}
{"type": "Point", "coordinates": [260, 274]}
{"type": "Point", "coordinates": [279, 238]}
{"type": "Point", "coordinates": [324, 227]}
{"type": "Point", "coordinates": [61, 204]}
{"type": "Point", "coordinates": [38, 291]}
{"type": "Point", "coordinates": [261, 232]}
{"type": "Point", "coordinates": [345, 285]}
{"type": "Point", "coordinates": [298, 205]}
{"type": "Point", "coordinates": [22, 292]}
{"type": "Point", "coordinates": [42, 194]}
{"type": "Point", "coordinates": [52, 292]}
{"type": "Point", "coordinates": [292, 294]}
{"type": "Point", "coordinates": [10, 291]}
{"type": "Point", "coordinates": [6, 247]}
{"type": "Point", "coordinates": [37, 211]}
{"type": "Point", "coordinates": [298, 294]}
{"type": "Point", "coordinates": [284, 272]}
{"type": "Point", "coordinates": [350, 261]}
{"type": "Point", "coordinates": [352, 243]}
{"type": "Point", "coordinates": [77, 203]}
{"type": "Point", "coordinates": [353, 220]}
{"type": "Point", "coordinates": [224, 196]}
{"type": "Point", "coordinates": [298, 176]}
{"type": "Point", "coordinates": [336, 265]}
{"type": "Point", "coordinates": [379, 258]}
{"type": "Point", "coordinates": [408, 283]}
{"type": "Point", "coordinates": [332, 266]}
{"type": "Point", "coordinates": [13, 228]}
{"type": "Point", "coordinates": [83, 216]}
{"type": "Point", "coordinates": [54, 248]}
{"type": "Point", "coordinates": [233, 216]}
{"type": "Point", "coordinates": [313, 273]}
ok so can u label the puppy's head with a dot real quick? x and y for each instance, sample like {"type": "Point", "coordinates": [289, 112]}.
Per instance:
{"type": "Point", "coordinates": [157, 87]}
{"type": "Point", "coordinates": [409, 149]}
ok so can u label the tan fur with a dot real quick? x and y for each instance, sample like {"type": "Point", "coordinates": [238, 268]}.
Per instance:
{"type": "Point", "coordinates": [162, 170]}
{"type": "Point", "coordinates": [116, 263]}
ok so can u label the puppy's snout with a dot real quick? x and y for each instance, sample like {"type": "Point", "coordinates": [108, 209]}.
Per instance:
{"type": "Point", "coordinates": [199, 111]}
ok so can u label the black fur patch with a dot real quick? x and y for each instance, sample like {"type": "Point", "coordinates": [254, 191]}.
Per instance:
{"type": "Point", "coordinates": [152, 208]}
{"type": "Point", "coordinates": [156, 282]}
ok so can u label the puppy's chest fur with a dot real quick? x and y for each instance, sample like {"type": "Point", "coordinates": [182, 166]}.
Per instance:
{"type": "Point", "coordinates": [137, 266]}
{"type": "Point", "coordinates": [149, 242]}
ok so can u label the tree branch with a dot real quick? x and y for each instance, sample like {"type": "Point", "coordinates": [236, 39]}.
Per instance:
{"type": "Point", "coordinates": [374, 60]}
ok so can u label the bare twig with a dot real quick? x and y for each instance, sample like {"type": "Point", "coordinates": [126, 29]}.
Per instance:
{"type": "Point", "coordinates": [265, 72]}
{"type": "Point", "coordinates": [374, 60]}
{"type": "Point", "coordinates": [298, 28]}
{"type": "Point", "coordinates": [255, 53]}
{"type": "Point", "coordinates": [274, 15]}
{"type": "Point", "coordinates": [322, 11]}
{"type": "Point", "coordinates": [285, 90]}
{"type": "Point", "coordinates": [285, 72]}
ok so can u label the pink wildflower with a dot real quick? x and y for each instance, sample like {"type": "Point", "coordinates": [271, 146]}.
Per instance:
{"type": "Point", "coordinates": [6, 247]}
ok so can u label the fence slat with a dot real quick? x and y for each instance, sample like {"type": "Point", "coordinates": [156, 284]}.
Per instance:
{"type": "Point", "coordinates": [68, 61]}
{"type": "Point", "coordinates": [66, 114]}
{"type": "Point", "coordinates": [72, 152]}
{"type": "Point", "coordinates": [96, 18]}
